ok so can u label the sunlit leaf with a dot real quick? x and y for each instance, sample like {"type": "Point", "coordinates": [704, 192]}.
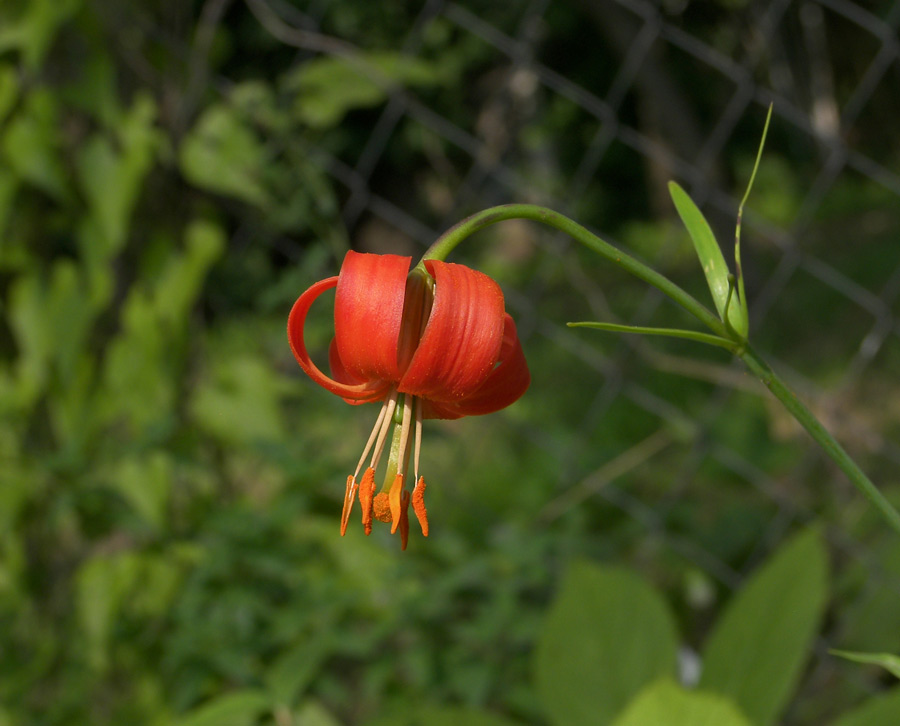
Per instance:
{"type": "Point", "coordinates": [758, 647]}
{"type": "Point", "coordinates": [710, 255]}
{"type": "Point", "coordinates": [879, 710]}
{"type": "Point", "coordinates": [223, 155]}
{"type": "Point", "coordinates": [241, 708]}
{"type": "Point", "coordinates": [329, 86]}
{"type": "Point", "coordinates": [665, 703]}
{"type": "Point", "coordinates": [607, 635]}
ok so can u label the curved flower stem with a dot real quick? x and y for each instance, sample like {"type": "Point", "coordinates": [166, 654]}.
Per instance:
{"type": "Point", "coordinates": [452, 237]}
{"type": "Point", "coordinates": [828, 443]}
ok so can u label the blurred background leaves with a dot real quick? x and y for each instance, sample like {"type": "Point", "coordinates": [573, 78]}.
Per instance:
{"type": "Point", "coordinates": [173, 175]}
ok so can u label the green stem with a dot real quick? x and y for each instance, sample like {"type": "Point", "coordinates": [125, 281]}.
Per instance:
{"type": "Point", "coordinates": [830, 445]}
{"type": "Point", "coordinates": [453, 236]}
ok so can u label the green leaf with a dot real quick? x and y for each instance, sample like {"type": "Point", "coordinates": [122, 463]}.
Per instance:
{"type": "Point", "coordinates": [876, 711]}
{"type": "Point", "coordinates": [101, 583]}
{"type": "Point", "coordinates": [9, 88]}
{"type": "Point", "coordinates": [112, 177]}
{"type": "Point", "coordinates": [757, 649]}
{"type": "Point", "coordinates": [239, 402]}
{"type": "Point", "coordinates": [179, 285]}
{"type": "Point", "coordinates": [145, 482]}
{"type": "Point", "coordinates": [606, 636]}
{"type": "Point", "coordinates": [313, 713]}
{"type": "Point", "coordinates": [665, 703]}
{"type": "Point", "coordinates": [34, 31]}
{"type": "Point", "coordinates": [223, 154]}
{"type": "Point", "coordinates": [888, 661]}
{"type": "Point", "coordinates": [31, 142]}
{"type": "Point", "coordinates": [241, 708]}
{"type": "Point", "coordinates": [329, 86]}
{"type": "Point", "coordinates": [666, 332]}
{"type": "Point", "coordinates": [711, 259]}
{"type": "Point", "coordinates": [294, 670]}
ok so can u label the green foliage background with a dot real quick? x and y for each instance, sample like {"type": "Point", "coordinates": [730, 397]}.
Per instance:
{"type": "Point", "coordinates": [173, 175]}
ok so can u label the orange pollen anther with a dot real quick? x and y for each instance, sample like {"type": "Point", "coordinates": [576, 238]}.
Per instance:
{"type": "Point", "coordinates": [394, 500]}
{"type": "Point", "coordinates": [418, 504]}
{"type": "Point", "coordinates": [366, 494]}
{"type": "Point", "coordinates": [381, 508]}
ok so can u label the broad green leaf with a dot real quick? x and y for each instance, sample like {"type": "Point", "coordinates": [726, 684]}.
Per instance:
{"type": "Point", "coordinates": [313, 713]}
{"type": "Point", "coordinates": [434, 715]}
{"type": "Point", "coordinates": [34, 31]}
{"type": "Point", "coordinates": [100, 584]}
{"type": "Point", "coordinates": [145, 482]}
{"type": "Point", "coordinates": [30, 145]}
{"type": "Point", "coordinates": [239, 403]}
{"type": "Point", "coordinates": [241, 708]}
{"type": "Point", "coordinates": [879, 710]}
{"type": "Point", "coordinates": [758, 647]}
{"type": "Point", "coordinates": [223, 155]}
{"type": "Point", "coordinates": [456, 716]}
{"type": "Point", "coordinates": [9, 88]}
{"type": "Point", "coordinates": [710, 255]}
{"type": "Point", "coordinates": [111, 176]}
{"type": "Point", "coordinates": [291, 673]}
{"type": "Point", "coordinates": [179, 285]}
{"type": "Point", "coordinates": [888, 661]}
{"type": "Point", "coordinates": [607, 635]}
{"type": "Point", "coordinates": [328, 87]}
{"type": "Point", "coordinates": [665, 703]}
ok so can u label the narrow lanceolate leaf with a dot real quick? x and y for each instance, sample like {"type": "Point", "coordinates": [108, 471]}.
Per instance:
{"type": "Point", "coordinates": [666, 332]}
{"type": "Point", "coordinates": [711, 259]}
{"type": "Point", "coordinates": [757, 650]}
{"type": "Point", "coordinates": [607, 635]}
{"type": "Point", "coordinates": [888, 661]}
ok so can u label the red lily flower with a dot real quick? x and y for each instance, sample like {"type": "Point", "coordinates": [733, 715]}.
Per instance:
{"type": "Point", "coordinates": [431, 343]}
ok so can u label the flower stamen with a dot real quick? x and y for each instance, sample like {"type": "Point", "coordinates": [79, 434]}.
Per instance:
{"type": "Point", "coordinates": [395, 497]}
{"type": "Point", "coordinates": [418, 503]}
{"type": "Point", "coordinates": [404, 520]}
{"type": "Point", "coordinates": [366, 495]}
{"type": "Point", "coordinates": [349, 496]}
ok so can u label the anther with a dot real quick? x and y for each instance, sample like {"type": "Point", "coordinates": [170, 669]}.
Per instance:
{"type": "Point", "coordinates": [349, 496]}
{"type": "Point", "coordinates": [366, 494]}
{"type": "Point", "coordinates": [418, 503]}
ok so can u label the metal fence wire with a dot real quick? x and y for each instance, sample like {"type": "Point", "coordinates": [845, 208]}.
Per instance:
{"type": "Point", "coordinates": [589, 108]}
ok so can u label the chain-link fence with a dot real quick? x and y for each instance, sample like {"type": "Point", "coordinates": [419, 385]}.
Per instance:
{"type": "Point", "coordinates": [589, 108]}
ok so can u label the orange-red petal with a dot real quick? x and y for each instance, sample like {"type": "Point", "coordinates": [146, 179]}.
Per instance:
{"type": "Point", "coordinates": [505, 384]}
{"type": "Point", "coordinates": [462, 339]}
{"type": "Point", "coordinates": [368, 313]}
{"type": "Point", "coordinates": [371, 390]}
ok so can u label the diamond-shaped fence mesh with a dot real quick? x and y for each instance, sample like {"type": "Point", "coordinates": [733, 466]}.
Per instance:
{"type": "Point", "coordinates": [590, 108]}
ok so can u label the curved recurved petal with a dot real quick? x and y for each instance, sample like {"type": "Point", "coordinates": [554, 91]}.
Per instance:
{"type": "Point", "coordinates": [461, 341]}
{"type": "Point", "coordinates": [361, 392]}
{"type": "Point", "coordinates": [506, 383]}
{"type": "Point", "coordinates": [342, 375]}
{"type": "Point", "coordinates": [368, 311]}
